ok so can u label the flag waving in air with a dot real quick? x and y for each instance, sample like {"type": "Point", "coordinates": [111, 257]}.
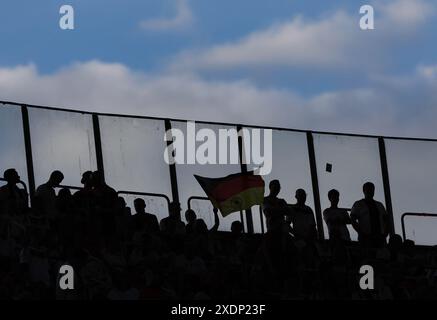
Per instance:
{"type": "Point", "coordinates": [235, 192]}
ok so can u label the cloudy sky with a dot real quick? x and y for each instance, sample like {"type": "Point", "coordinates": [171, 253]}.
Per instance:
{"type": "Point", "coordinates": [301, 64]}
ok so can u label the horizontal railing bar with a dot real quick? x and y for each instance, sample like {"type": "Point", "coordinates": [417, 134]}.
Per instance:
{"type": "Point", "coordinates": [61, 186]}
{"type": "Point", "coordinates": [219, 123]}
{"type": "Point", "coordinates": [195, 198]}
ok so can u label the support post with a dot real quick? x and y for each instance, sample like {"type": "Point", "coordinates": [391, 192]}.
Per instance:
{"type": "Point", "coordinates": [172, 168]}
{"type": "Point", "coordinates": [28, 149]}
{"type": "Point", "coordinates": [386, 183]}
{"type": "Point", "coordinates": [98, 145]}
{"type": "Point", "coordinates": [315, 184]}
{"type": "Point", "coordinates": [249, 218]}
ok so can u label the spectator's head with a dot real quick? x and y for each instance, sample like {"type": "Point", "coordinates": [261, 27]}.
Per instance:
{"type": "Point", "coordinates": [395, 241]}
{"type": "Point", "coordinates": [121, 203]}
{"type": "Point", "coordinates": [275, 187]}
{"type": "Point", "coordinates": [11, 176]}
{"type": "Point", "coordinates": [122, 206]}
{"type": "Point", "coordinates": [64, 199]}
{"type": "Point", "coordinates": [56, 178]}
{"type": "Point", "coordinates": [64, 193]}
{"type": "Point", "coordinates": [408, 247]}
{"type": "Point", "coordinates": [369, 190]}
{"type": "Point", "coordinates": [190, 216]}
{"type": "Point", "coordinates": [236, 227]}
{"type": "Point", "coordinates": [334, 197]}
{"type": "Point", "coordinates": [86, 178]}
{"type": "Point", "coordinates": [301, 196]}
{"type": "Point", "coordinates": [140, 205]}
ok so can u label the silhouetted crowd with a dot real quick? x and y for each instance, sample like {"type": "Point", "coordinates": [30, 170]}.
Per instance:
{"type": "Point", "coordinates": [117, 254]}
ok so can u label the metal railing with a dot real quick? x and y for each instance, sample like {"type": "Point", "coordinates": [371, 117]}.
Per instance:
{"type": "Point", "coordinates": [134, 193]}
{"type": "Point", "coordinates": [413, 214]}
{"type": "Point", "coordinates": [147, 194]}
{"type": "Point", "coordinates": [68, 187]}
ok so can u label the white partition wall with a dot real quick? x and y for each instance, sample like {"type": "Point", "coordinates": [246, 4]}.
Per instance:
{"type": "Point", "coordinates": [12, 149]}
{"type": "Point", "coordinates": [61, 141]}
{"type": "Point", "coordinates": [345, 163]}
{"type": "Point", "coordinates": [290, 165]}
{"type": "Point", "coordinates": [133, 154]}
{"type": "Point", "coordinates": [412, 169]}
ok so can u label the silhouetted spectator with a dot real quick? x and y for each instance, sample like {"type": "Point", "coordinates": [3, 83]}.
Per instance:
{"type": "Point", "coordinates": [302, 217]}
{"type": "Point", "coordinates": [143, 220]}
{"type": "Point", "coordinates": [190, 217]}
{"type": "Point", "coordinates": [123, 218]}
{"type": "Point", "coordinates": [236, 228]}
{"type": "Point", "coordinates": [104, 196]}
{"type": "Point", "coordinates": [45, 195]}
{"type": "Point", "coordinates": [172, 225]}
{"type": "Point", "coordinates": [83, 198]}
{"type": "Point", "coordinates": [369, 218]}
{"type": "Point", "coordinates": [336, 218]}
{"type": "Point", "coordinates": [274, 208]}
{"type": "Point", "coordinates": [395, 246]}
{"type": "Point", "coordinates": [13, 200]}
{"type": "Point", "coordinates": [64, 201]}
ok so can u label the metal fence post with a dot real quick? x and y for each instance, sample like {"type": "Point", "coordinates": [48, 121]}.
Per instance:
{"type": "Point", "coordinates": [315, 184]}
{"type": "Point", "coordinates": [386, 183]}
{"type": "Point", "coordinates": [28, 148]}
{"type": "Point", "coordinates": [98, 145]}
{"type": "Point", "coordinates": [172, 168]}
{"type": "Point", "coordinates": [249, 218]}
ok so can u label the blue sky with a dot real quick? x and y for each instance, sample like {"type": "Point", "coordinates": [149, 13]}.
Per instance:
{"type": "Point", "coordinates": [305, 59]}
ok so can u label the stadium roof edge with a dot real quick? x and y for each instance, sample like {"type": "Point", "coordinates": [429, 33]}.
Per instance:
{"type": "Point", "coordinates": [214, 123]}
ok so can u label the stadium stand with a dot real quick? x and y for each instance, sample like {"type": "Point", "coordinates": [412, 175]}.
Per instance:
{"type": "Point", "coordinates": [124, 253]}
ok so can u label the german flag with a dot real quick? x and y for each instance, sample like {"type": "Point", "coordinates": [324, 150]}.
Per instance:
{"type": "Point", "coordinates": [235, 192]}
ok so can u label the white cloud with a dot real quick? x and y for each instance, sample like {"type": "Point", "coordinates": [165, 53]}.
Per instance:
{"type": "Point", "coordinates": [334, 41]}
{"type": "Point", "coordinates": [294, 43]}
{"type": "Point", "coordinates": [389, 106]}
{"type": "Point", "coordinates": [182, 19]}
{"type": "Point", "coordinates": [428, 72]}
{"type": "Point", "coordinates": [406, 13]}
